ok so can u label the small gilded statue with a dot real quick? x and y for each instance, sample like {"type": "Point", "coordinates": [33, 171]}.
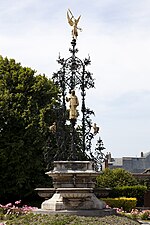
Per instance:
{"type": "Point", "coordinates": [73, 103]}
{"type": "Point", "coordinates": [95, 129]}
{"type": "Point", "coordinates": [52, 128]}
{"type": "Point", "coordinates": [74, 23]}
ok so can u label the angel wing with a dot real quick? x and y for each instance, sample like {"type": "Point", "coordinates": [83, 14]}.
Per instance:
{"type": "Point", "coordinates": [77, 21]}
{"type": "Point", "coordinates": [70, 21]}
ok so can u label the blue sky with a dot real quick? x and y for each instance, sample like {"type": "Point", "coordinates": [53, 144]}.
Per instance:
{"type": "Point", "coordinates": [116, 34]}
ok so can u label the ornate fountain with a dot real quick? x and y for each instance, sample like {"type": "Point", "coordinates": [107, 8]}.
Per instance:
{"type": "Point", "coordinates": [75, 167]}
{"type": "Point", "coordinates": [74, 182]}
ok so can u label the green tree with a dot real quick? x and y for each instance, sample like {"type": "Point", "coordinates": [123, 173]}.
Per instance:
{"type": "Point", "coordinates": [114, 178]}
{"type": "Point", "coordinates": [26, 102]}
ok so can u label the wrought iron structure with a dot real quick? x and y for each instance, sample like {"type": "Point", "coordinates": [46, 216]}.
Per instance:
{"type": "Point", "coordinates": [74, 141]}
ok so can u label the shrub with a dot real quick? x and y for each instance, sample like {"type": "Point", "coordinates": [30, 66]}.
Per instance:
{"type": "Point", "coordinates": [127, 204]}
{"type": "Point", "coordinates": [129, 192]}
{"type": "Point", "coordinates": [115, 178]}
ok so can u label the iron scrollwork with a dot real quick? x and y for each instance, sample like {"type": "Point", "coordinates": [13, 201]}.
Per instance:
{"type": "Point", "coordinates": [74, 76]}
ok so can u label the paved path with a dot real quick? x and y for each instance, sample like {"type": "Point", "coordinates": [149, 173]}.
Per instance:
{"type": "Point", "coordinates": [144, 223]}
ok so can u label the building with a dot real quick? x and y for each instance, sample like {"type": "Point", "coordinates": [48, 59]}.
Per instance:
{"type": "Point", "coordinates": [132, 164]}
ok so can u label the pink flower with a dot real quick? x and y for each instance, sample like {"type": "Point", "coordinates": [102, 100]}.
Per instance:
{"type": "Point", "coordinates": [8, 205]}
{"type": "Point", "coordinates": [17, 202]}
{"type": "Point", "coordinates": [26, 208]}
{"type": "Point", "coordinates": [108, 207]}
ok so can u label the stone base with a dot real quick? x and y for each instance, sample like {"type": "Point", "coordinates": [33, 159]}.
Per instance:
{"type": "Point", "coordinates": [55, 203]}
{"type": "Point", "coordinates": [90, 213]}
{"type": "Point", "coordinates": [73, 182]}
{"type": "Point", "coordinates": [58, 202]}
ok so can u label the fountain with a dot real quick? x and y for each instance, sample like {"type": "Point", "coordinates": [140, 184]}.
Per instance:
{"type": "Point", "coordinates": [74, 170]}
{"type": "Point", "coordinates": [74, 182]}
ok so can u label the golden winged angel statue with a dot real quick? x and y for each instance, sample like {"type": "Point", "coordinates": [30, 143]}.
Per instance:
{"type": "Point", "coordinates": [73, 22]}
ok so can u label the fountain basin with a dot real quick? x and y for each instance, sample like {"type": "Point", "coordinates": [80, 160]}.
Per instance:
{"type": "Point", "coordinates": [70, 174]}
{"type": "Point", "coordinates": [73, 183]}
{"type": "Point", "coordinates": [75, 192]}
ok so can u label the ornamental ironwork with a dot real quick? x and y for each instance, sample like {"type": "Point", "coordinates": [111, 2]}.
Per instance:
{"type": "Point", "coordinates": [73, 140]}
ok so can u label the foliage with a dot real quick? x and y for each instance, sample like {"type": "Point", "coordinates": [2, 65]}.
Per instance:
{"type": "Point", "coordinates": [127, 204]}
{"type": "Point", "coordinates": [136, 214]}
{"type": "Point", "coordinates": [110, 178]}
{"type": "Point", "coordinates": [144, 181]}
{"type": "Point", "coordinates": [136, 191]}
{"type": "Point", "coordinates": [123, 184]}
{"type": "Point", "coordinates": [11, 211]}
{"type": "Point", "coordinates": [38, 219]}
{"type": "Point", "coordinates": [145, 214]}
{"type": "Point", "coordinates": [25, 114]}
{"type": "Point", "coordinates": [17, 213]}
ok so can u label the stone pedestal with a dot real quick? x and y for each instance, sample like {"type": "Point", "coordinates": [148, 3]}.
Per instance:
{"type": "Point", "coordinates": [74, 182]}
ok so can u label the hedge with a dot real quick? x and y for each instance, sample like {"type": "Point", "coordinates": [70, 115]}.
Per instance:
{"type": "Point", "coordinates": [127, 204]}
{"type": "Point", "coordinates": [130, 192]}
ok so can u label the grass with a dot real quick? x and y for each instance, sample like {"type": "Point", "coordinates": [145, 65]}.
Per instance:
{"type": "Point", "coordinates": [39, 219]}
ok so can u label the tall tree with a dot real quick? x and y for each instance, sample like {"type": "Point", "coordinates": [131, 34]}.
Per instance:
{"type": "Point", "coordinates": [26, 102]}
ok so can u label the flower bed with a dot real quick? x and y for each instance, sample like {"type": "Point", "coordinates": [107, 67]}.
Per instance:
{"type": "Point", "coordinates": [136, 214]}
{"type": "Point", "coordinates": [11, 214]}
{"type": "Point", "coordinates": [10, 210]}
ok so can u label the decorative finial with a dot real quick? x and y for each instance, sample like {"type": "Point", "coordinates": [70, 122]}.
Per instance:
{"type": "Point", "coordinates": [73, 22]}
